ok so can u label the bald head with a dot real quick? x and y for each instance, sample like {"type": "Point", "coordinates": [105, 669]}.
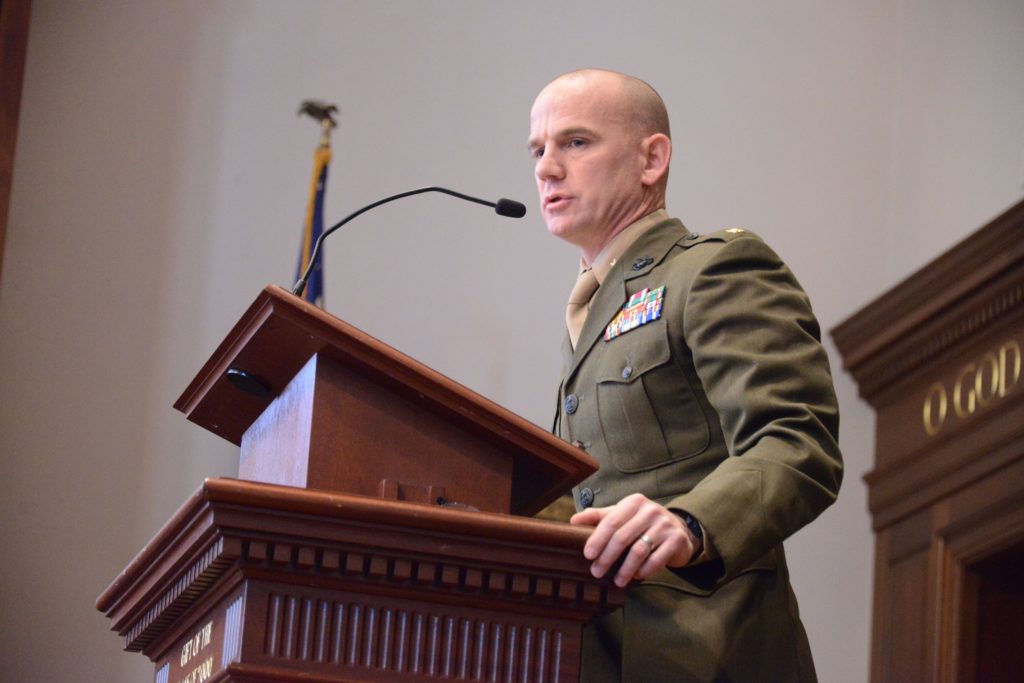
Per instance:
{"type": "Point", "coordinates": [637, 102]}
{"type": "Point", "coordinates": [601, 149]}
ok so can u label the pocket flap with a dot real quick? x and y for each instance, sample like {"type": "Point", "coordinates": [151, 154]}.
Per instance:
{"type": "Point", "coordinates": [636, 352]}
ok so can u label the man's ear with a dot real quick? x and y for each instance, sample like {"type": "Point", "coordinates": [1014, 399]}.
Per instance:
{"type": "Point", "coordinates": [657, 151]}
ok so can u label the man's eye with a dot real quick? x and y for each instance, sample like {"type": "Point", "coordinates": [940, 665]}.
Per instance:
{"type": "Point", "coordinates": [537, 152]}
{"type": "Point", "coordinates": [577, 142]}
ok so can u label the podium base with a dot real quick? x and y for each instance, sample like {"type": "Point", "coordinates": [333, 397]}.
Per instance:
{"type": "Point", "coordinates": [260, 582]}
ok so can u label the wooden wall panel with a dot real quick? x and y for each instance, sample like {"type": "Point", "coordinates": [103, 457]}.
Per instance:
{"type": "Point", "coordinates": [905, 651]}
{"type": "Point", "coordinates": [14, 21]}
{"type": "Point", "coordinates": [940, 360]}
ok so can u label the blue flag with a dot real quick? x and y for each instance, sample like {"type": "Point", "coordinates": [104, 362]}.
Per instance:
{"type": "Point", "coordinates": [313, 228]}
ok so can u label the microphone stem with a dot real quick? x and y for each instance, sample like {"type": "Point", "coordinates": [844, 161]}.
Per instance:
{"type": "Point", "coordinates": [300, 286]}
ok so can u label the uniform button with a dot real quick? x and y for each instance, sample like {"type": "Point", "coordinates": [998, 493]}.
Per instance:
{"type": "Point", "coordinates": [642, 262]}
{"type": "Point", "coordinates": [692, 236]}
{"type": "Point", "coordinates": [586, 498]}
{"type": "Point", "coordinates": [627, 371]}
{"type": "Point", "coordinates": [571, 403]}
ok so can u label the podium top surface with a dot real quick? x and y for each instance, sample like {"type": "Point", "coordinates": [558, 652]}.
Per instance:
{"type": "Point", "coordinates": [280, 332]}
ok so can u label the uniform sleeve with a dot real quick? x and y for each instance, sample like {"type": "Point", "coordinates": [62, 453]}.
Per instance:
{"type": "Point", "coordinates": [756, 348]}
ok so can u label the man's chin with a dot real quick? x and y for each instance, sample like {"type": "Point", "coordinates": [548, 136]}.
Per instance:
{"type": "Point", "coordinates": [560, 228]}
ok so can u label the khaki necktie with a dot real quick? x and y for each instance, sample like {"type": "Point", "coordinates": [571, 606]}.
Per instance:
{"type": "Point", "coordinates": [579, 303]}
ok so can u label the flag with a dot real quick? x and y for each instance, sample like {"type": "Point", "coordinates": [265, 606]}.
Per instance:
{"type": "Point", "coordinates": [314, 226]}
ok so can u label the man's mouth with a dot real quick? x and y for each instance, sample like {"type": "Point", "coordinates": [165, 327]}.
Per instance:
{"type": "Point", "coordinates": [554, 201]}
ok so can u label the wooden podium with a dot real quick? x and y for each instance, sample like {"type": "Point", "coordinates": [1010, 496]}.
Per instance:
{"type": "Point", "coordinates": [373, 534]}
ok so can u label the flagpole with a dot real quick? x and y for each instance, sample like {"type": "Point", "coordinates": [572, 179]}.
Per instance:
{"type": "Point", "coordinates": [313, 224]}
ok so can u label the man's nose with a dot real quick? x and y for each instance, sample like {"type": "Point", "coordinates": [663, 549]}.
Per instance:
{"type": "Point", "coordinates": [549, 166]}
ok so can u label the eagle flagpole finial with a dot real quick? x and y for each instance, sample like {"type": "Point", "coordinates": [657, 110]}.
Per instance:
{"type": "Point", "coordinates": [322, 112]}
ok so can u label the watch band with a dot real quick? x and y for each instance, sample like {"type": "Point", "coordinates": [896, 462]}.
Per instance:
{"type": "Point", "coordinates": [694, 526]}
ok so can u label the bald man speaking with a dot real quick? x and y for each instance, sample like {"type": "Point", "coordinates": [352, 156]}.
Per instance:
{"type": "Point", "coordinates": [694, 374]}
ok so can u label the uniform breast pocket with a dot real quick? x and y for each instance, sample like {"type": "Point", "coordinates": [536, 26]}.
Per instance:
{"type": "Point", "coordinates": [648, 413]}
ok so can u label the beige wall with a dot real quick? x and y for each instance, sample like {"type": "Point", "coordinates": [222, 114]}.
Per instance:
{"type": "Point", "coordinates": [160, 180]}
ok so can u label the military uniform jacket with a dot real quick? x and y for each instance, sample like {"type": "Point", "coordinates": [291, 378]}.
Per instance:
{"type": "Point", "coordinates": [723, 407]}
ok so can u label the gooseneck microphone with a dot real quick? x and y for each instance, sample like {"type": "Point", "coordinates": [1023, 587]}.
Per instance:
{"type": "Point", "coordinates": [503, 207]}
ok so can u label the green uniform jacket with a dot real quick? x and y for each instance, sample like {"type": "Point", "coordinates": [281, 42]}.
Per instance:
{"type": "Point", "coordinates": [723, 407]}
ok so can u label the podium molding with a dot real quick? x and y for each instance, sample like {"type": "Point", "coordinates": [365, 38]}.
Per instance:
{"type": "Point", "coordinates": [279, 583]}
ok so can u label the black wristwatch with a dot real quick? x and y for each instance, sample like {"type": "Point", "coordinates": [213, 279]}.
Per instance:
{"type": "Point", "coordinates": [694, 526]}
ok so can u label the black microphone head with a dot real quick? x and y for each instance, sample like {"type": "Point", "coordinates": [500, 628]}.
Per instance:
{"type": "Point", "coordinates": [510, 208]}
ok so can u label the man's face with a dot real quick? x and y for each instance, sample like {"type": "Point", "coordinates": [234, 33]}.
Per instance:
{"type": "Point", "coordinates": [589, 162]}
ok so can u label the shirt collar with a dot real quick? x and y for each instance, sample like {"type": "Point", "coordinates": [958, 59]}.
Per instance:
{"type": "Point", "coordinates": [622, 241]}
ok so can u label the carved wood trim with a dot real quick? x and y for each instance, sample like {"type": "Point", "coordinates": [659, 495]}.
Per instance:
{"type": "Point", "coordinates": [929, 474]}
{"type": "Point", "coordinates": [965, 542]}
{"type": "Point", "coordinates": [969, 288]}
{"type": "Point", "coordinates": [232, 648]}
{"type": "Point", "coordinates": [321, 635]}
{"type": "Point", "coordinates": [241, 531]}
{"type": "Point", "coordinates": [402, 573]}
{"type": "Point", "coordinates": [183, 592]}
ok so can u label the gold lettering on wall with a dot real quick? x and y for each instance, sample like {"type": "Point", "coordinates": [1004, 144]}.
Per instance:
{"type": "Point", "coordinates": [935, 404]}
{"type": "Point", "coordinates": [1009, 357]}
{"type": "Point", "coordinates": [975, 387]}
{"type": "Point", "coordinates": [963, 411]}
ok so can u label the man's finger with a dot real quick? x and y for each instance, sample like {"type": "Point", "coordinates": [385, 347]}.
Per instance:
{"type": "Point", "coordinates": [636, 557]}
{"type": "Point", "coordinates": [612, 538]}
{"type": "Point", "coordinates": [588, 517]}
